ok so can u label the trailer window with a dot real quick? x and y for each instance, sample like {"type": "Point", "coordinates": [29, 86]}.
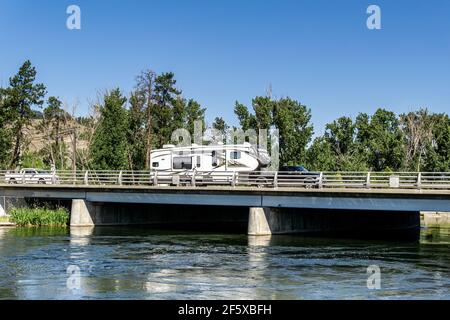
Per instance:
{"type": "Point", "coordinates": [182, 163]}
{"type": "Point", "coordinates": [235, 155]}
{"type": "Point", "coordinates": [155, 164]}
{"type": "Point", "coordinates": [199, 164]}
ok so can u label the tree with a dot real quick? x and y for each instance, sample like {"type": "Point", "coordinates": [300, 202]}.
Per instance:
{"type": "Point", "coordinates": [137, 133]}
{"type": "Point", "coordinates": [194, 112]}
{"type": "Point", "coordinates": [145, 94]}
{"type": "Point", "coordinates": [437, 156]}
{"type": "Point", "coordinates": [220, 125]}
{"type": "Point", "coordinates": [165, 95]}
{"type": "Point", "coordinates": [347, 155]}
{"type": "Point", "coordinates": [19, 99]}
{"type": "Point", "coordinates": [320, 156]}
{"type": "Point", "coordinates": [54, 120]}
{"type": "Point", "coordinates": [292, 119]}
{"type": "Point", "coordinates": [5, 132]}
{"type": "Point", "coordinates": [381, 140]}
{"type": "Point", "coordinates": [109, 146]}
{"type": "Point", "coordinates": [418, 130]}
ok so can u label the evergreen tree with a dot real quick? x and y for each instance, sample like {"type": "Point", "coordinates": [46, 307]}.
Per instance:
{"type": "Point", "coordinates": [5, 132]}
{"type": "Point", "coordinates": [18, 100]}
{"type": "Point", "coordinates": [165, 95]}
{"type": "Point", "coordinates": [194, 112]}
{"type": "Point", "coordinates": [108, 150]}
{"type": "Point", "coordinates": [136, 133]}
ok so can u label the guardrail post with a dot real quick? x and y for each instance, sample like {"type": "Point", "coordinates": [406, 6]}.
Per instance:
{"type": "Point", "coordinates": [23, 177]}
{"type": "Point", "coordinates": [233, 179]}
{"type": "Point", "coordinates": [321, 180]}
{"type": "Point", "coordinates": [86, 178]}
{"type": "Point", "coordinates": [368, 180]}
{"type": "Point", "coordinates": [155, 178]}
{"type": "Point", "coordinates": [193, 179]}
{"type": "Point", "coordinates": [120, 178]}
{"type": "Point", "coordinates": [275, 180]}
{"type": "Point", "coordinates": [419, 180]}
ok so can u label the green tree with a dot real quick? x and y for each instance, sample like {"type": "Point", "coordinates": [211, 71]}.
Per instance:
{"type": "Point", "coordinates": [137, 132]}
{"type": "Point", "coordinates": [293, 120]}
{"type": "Point", "coordinates": [5, 132]}
{"type": "Point", "coordinates": [18, 100]}
{"type": "Point", "coordinates": [220, 125]}
{"type": "Point", "coordinates": [165, 95]}
{"type": "Point", "coordinates": [381, 140]}
{"type": "Point", "coordinates": [194, 112]}
{"type": "Point", "coordinates": [246, 119]}
{"type": "Point", "coordinates": [320, 156]}
{"type": "Point", "coordinates": [290, 117]}
{"type": "Point", "coordinates": [437, 156]}
{"type": "Point", "coordinates": [341, 135]}
{"type": "Point", "coordinates": [108, 150]}
{"type": "Point", "coordinates": [145, 87]}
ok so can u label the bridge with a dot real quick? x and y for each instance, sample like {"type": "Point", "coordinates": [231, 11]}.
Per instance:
{"type": "Point", "coordinates": [270, 202]}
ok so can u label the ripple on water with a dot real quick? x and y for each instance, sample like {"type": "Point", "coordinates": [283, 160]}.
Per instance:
{"type": "Point", "coordinates": [142, 264]}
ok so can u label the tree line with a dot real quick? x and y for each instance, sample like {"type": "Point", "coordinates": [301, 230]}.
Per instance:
{"type": "Point", "coordinates": [122, 130]}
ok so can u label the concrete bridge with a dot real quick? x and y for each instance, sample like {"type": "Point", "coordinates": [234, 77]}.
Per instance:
{"type": "Point", "coordinates": [263, 210]}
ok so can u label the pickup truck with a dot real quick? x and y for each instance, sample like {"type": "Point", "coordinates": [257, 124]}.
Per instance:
{"type": "Point", "coordinates": [31, 176]}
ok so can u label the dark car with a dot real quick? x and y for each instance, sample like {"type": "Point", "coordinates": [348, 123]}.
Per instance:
{"type": "Point", "coordinates": [298, 175]}
{"type": "Point", "coordinates": [293, 169]}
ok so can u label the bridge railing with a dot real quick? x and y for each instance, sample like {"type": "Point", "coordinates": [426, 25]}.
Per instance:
{"type": "Point", "coordinates": [263, 179]}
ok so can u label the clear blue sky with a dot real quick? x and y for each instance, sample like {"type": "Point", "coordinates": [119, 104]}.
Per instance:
{"type": "Point", "coordinates": [319, 52]}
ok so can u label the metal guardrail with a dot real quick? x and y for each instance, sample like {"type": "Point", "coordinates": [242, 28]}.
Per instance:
{"type": "Point", "coordinates": [263, 179]}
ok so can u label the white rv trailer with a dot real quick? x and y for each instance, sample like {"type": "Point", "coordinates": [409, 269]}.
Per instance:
{"type": "Point", "coordinates": [217, 158]}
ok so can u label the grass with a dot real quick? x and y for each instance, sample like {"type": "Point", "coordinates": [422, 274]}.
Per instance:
{"type": "Point", "coordinates": [37, 217]}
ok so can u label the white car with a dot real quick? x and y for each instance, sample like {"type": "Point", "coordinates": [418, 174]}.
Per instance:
{"type": "Point", "coordinates": [31, 176]}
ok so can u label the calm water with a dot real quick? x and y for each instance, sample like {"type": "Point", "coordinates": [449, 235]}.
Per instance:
{"type": "Point", "coordinates": [141, 264]}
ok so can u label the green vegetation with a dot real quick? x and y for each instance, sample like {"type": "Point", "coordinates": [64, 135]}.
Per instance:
{"type": "Point", "coordinates": [121, 131]}
{"type": "Point", "coordinates": [25, 217]}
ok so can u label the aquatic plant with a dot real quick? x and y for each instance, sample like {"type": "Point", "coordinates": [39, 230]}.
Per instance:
{"type": "Point", "coordinates": [40, 217]}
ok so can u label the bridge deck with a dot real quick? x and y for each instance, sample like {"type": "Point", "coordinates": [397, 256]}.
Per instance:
{"type": "Point", "coordinates": [347, 199]}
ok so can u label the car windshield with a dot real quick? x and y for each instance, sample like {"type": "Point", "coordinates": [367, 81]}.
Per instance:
{"type": "Point", "coordinates": [42, 171]}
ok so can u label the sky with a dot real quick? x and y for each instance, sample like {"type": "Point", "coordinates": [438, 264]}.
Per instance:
{"type": "Point", "coordinates": [316, 51]}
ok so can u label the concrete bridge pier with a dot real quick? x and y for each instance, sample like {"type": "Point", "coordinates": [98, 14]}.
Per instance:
{"type": "Point", "coordinates": [81, 213]}
{"type": "Point", "coordinates": [268, 221]}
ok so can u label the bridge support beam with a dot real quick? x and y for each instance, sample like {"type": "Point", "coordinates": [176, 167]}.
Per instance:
{"type": "Point", "coordinates": [81, 213]}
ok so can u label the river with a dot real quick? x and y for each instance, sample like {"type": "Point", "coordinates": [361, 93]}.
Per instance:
{"type": "Point", "coordinates": [138, 263]}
